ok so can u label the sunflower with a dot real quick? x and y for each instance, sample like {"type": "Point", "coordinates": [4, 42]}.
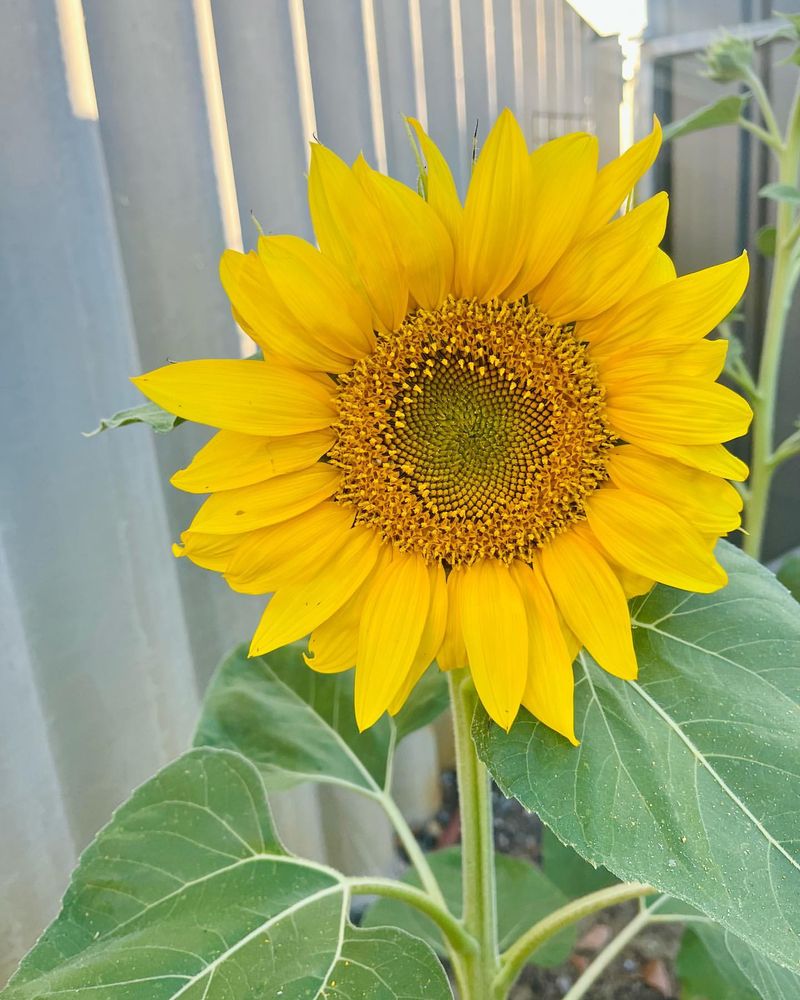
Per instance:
{"type": "Point", "coordinates": [474, 430]}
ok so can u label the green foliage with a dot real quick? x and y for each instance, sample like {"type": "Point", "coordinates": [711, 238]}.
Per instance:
{"type": "Point", "coordinates": [789, 574]}
{"type": "Point", "coordinates": [781, 192]}
{"type": "Point", "coordinates": [297, 725]}
{"type": "Point", "coordinates": [725, 111]}
{"type": "Point", "coordinates": [188, 893]}
{"type": "Point", "coordinates": [148, 413]}
{"type": "Point", "coordinates": [728, 59]}
{"type": "Point", "coordinates": [714, 964]}
{"type": "Point", "coordinates": [565, 868]}
{"type": "Point", "coordinates": [687, 779]}
{"type": "Point", "coordinates": [709, 974]}
{"type": "Point", "coordinates": [765, 241]}
{"type": "Point", "coordinates": [525, 894]}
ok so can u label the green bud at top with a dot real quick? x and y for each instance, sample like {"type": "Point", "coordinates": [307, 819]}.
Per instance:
{"type": "Point", "coordinates": [794, 22]}
{"type": "Point", "coordinates": [728, 59]}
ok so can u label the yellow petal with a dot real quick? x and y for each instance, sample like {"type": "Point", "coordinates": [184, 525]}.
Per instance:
{"type": "Point", "coordinates": [264, 315]}
{"type": "Point", "coordinates": [230, 459]}
{"type": "Point", "coordinates": [421, 240]}
{"type": "Point", "coordinates": [633, 584]}
{"type": "Point", "coordinates": [442, 193]}
{"type": "Point", "coordinates": [704, 359]}
{"type": "Point", "coordinates": [251, 397]}
{"type": "Point", "coordinates": [658, 271]}
{"type": "Point", "coordinates": [432, 636]}
{"type": "Point", "coordinates": [549, 688]}
{"type": "Point", "coordinates": [596, 272]}
{"type": "Point", "coordinates": [650, 538]}
{"type": "Point", "coordinates": [712, 458]}
{"type": "Point", "coordinates": [233, 511]}
{"type": "Point", "coordinates": [322, 302]}
{"type": "Point", "coordinates": [497, 224]}
{"type": "Point", "coordinates": [391, 628]}
{"type": "Point", "coordinates": [591, 599]}
{"type": "Point", "coordinates": [296, 610]}
{"type": "Point", "coordinates": [452, 654]}
{"type": "Point", "coordinates": [212, 552]}
{"type": "Point", "coordinates": [562, 178]}
{"type": "Point", "coordinates": [684, 411]}
{"type": "Point", "coordinates": [495, 630]}
{"type": "Point", "coordinates": [676, 313]}
{"type": "Point", "coordinates": [712, 505]}
{"type": "Point", "coordinates": [617, 179]}
{"type": "Point", "coordinates": [290, 552]}
{"type": "Point", "coordinates": [351, 232]}
{"type": "Point", "coordinates": [333, 645]}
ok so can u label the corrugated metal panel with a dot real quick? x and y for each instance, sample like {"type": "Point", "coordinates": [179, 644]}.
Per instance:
{"type": "Point", "coordinates": [108, 265]}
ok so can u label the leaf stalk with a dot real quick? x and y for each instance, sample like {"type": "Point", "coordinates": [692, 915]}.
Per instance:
{"type": "Point", "coordinates": [513, 959]}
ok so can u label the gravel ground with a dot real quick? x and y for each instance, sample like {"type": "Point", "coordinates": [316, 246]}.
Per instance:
{"type": "Point", "coordinates": [643, 971]}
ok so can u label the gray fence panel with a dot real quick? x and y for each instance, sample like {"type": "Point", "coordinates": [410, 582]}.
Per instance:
{"type": "Point", "coordinates": [83, 522]}
{"type": "Point", "coordinates": [111, 233]}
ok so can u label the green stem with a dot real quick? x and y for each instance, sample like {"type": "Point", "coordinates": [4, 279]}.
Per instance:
{"type": "Point", "coordinates": [787, 449]}
{"type": "Point", "coordinates": [513, 960]}
{"type": "Point", "coordinates": [410, 845]}
{"type": "Point", "coordinates": [609, 953]}
{"type": "Point", "coordinates": [763, 101]}
{"type": "Point", "coordinates": [477, 845]}
{"type": "Point", "coordinates": [452, 928]}
{"type": "Point", "coordinates": [784, 278]}
{"type": "Point", "coordinates": [761, 134]}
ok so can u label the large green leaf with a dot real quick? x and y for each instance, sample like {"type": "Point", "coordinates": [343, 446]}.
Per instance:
{"type": "Point", "coordinates": [709, 973]}
{"type": "Point", "coordinates": [690, 778]}
{"type": "Point", "coordinates": [297, 725]}
{"type": "Point", "coordinates": [714, 963]}
{"type": "Point", "coordinates": [524, 893]}
{"type": "Point", "coordinates": [188, 893]}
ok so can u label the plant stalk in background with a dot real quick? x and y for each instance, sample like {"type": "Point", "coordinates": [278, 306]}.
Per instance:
{"type": "Point", "coordinates": [766, 456]}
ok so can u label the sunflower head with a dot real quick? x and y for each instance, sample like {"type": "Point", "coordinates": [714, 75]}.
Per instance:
{"type": "Point", "coordinates": [477, 429]}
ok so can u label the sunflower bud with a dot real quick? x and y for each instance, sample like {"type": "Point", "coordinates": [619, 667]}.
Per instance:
{"type": "Point", "coordinates": [729, 59]}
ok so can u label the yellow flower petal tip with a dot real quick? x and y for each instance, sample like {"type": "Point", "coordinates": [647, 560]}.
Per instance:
{"type": "Point", "coordinates": [462, 410]}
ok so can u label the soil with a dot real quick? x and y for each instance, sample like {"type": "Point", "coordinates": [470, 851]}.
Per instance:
{"type": "Point", "coordinates": [643, 971]}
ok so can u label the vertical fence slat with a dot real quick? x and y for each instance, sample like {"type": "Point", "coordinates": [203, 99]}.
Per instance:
{"type": "Point", "coordinates": [508, 45]}
{"type": "Point", "coordinates": [400, 98]}
{"type": "Point", "coordinates": [340, 78]}
{"type": "Point", "coordinates": [267, 133]}
{"type": "Point", "coordinates": [476, 80]}
{"type": "Point", "coordinates": [443, 78]}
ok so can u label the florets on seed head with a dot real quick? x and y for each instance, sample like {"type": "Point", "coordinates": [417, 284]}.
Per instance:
{"type": "Point", "coordinates": [475, 430]}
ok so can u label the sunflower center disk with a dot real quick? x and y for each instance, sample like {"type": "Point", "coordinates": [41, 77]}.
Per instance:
{"type": "Point", "coordinates": [474, 431]}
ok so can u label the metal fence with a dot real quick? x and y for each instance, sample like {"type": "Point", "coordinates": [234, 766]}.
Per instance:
{"type": "Point", "coordinates": [132, 144]}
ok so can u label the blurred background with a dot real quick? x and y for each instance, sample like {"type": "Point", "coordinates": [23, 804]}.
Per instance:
{"type": "Point", "coordinates": [137, 140]}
